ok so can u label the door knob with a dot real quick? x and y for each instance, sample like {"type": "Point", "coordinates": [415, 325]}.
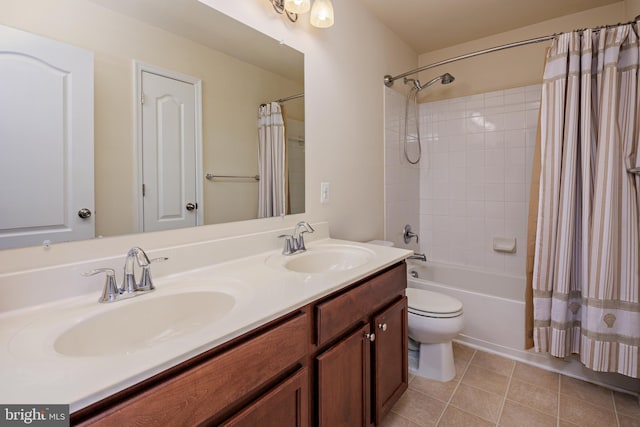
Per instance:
{"type": "Point", "coordinates": [371, 337]}
{"type": "Point", "coordinates": [84, 213]}
{"type": "Point", "coordinates": [191, 206]}
{"type": "Point", "coordinates": [382, 326]}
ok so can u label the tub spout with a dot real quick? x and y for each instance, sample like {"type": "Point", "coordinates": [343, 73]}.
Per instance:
{"type": "Point", "coordinates": [421, 257]}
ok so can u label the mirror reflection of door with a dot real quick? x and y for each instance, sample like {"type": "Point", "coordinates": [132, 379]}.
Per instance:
{"type": "Point", "coordinates": [170, 160]}
{"type": "Point", "coordinates": [46, 140]}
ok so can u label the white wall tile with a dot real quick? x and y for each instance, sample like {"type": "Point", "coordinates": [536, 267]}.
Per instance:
{"type": "Point", "coordinates": [473, 181]}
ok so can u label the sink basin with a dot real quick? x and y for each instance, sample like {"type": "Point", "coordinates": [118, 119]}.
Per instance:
{"type": "Point", "coordinates": [330, 259]}
{"type": "Point", "coordinates": [143, 322]}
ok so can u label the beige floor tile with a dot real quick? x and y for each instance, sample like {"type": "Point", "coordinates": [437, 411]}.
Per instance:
{"type": "Point", "coordinates": [462, 352]}
{"type": "Point", "coordinates": [517, 415]}
{"type": "Point", "coordinates": [436, 389]}
{"type": "Point", "coordinates": [492, 362]}
{"type": "Point", "coordinates": [594, 394]}
{"type": "Point", "coordinates": [482, 403]}
{"type": "Point", "coordinates": [536, 376]}
{"type": "Point", "coordinates": [454, 417]}
{"type": "Point", "coordinates": [627, 405]}
{"type": "Point", "coordinates": [419, 408]}
{"type": "Point", "coordinates": [486, 380]}
{"type": "Point", "coordinates": [394, 420]}
{"type": "Point", "coordinates": [584, 414]}
{"type": "Point", "coordinates": [461, 367]}
{"type": "Point", "coordinates": [539, 398]}
{"type": "Point", "coordinates": [626, 421]}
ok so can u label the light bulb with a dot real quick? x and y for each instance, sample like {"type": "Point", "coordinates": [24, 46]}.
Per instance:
{"type": "Point", "coordinates": [322, 14]}
{"type": "Point", "coordinates": [297, 6]}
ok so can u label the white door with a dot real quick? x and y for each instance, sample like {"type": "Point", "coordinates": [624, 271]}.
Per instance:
{"type": "Point", "coordinates": [46, 140]}
{"type": "Point", "coordinates": [169, 160]}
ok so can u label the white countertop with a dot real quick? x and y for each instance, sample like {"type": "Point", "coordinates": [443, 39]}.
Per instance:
{"type": "Point", "coordinates": [31, 371]}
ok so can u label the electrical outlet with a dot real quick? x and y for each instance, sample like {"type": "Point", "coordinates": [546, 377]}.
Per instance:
{"type": "Point", "coordinates": [324, 192]}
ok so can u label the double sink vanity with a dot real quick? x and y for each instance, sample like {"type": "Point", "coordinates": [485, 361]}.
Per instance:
{"type": "Point", "coordinates": [317, 337]}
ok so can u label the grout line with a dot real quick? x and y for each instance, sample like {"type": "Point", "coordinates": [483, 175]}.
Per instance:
{"type": "Point", "coordinates": [457, 385]}
{"type": "Point", "coordinates": [558, 400]}
{"type": "Point", "coordinates": [506, 392]}
{"type": "Point", "coordinates": [615, 408]}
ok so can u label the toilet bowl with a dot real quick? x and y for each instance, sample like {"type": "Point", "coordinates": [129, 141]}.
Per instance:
{"type": "Point", "coordinates": [434, 320]}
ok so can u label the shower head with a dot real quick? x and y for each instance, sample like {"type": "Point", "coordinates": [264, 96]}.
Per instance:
{"type": "Point", "coordinates": [447, 78]}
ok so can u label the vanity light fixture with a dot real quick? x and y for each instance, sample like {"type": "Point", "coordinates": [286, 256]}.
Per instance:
{"type": "Point", "coordinates": [321, 12]}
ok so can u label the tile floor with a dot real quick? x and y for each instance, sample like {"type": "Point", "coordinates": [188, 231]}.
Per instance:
{"type": "Point", "coordinates": [490, 390]}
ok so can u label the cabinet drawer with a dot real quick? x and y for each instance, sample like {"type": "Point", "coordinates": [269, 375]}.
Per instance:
{"type": "Point", "coordinates": [199, 393]}
{"type": "Point", "coordinates": [338, 314]}
{"type": "Point", "coordinates": [286, 405]}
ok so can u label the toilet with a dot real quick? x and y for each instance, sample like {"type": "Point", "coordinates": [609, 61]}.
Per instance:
{"type": "Point", "coordinates": [434, 320]}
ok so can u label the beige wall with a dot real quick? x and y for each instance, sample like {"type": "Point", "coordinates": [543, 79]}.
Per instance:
{"type": "Point", "coordinates": [632, 8]}
{"type": "Point", "coordinates": [520, 66]}
{"type": "Point", "coordinates": [231, 89]}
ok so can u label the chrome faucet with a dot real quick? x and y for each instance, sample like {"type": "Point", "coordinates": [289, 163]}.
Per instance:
{"type": "Point", "coordinates": [295, 242]}
{"type": "Point", "coordinates": [130, 287]}
{"type": "Point", "coordinates": [420, 257]}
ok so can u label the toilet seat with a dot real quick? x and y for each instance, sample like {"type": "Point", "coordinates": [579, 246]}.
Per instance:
{"type": "Point", "coordinates": [432, 304]}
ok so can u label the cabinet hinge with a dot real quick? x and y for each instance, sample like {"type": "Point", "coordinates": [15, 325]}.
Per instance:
{"type": "Point", "coordinates": [143, 190]}
{"type": "Point", "coordinates": [142, 98]}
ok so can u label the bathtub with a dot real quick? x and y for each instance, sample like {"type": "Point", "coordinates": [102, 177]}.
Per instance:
{"type": "Point", "coordinates": [493, 303]}
{"type": "Point", "coordinates": [494, 317]}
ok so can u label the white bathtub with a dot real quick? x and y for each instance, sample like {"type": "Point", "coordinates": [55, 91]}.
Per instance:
{"type": "Point", "coordinates": [493, 303]}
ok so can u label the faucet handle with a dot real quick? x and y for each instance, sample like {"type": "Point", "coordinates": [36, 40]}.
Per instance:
{"type": "Point", "coordinates": [110, 291]}
{"type": "Point", "coordinates": [289, 244]}
{"type": "Point", "coordinates": [146, 284]}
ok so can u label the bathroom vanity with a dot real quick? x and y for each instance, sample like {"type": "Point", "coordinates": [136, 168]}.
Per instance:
{"type": "Point", "coordinates": [315, 338]}
{"type": "Point", "coordinates": [340, 360]}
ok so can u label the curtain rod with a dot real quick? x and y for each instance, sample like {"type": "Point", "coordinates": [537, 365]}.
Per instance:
{"type": "Point", "coordinates": [388, 79]}
{"type": "Point", "coordinates": [288, 98]}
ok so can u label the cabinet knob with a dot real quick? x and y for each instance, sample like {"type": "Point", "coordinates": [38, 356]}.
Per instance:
{"type": "Point", "coordinates": [382, 326]}
{"type": "Point", "coordinates": [371, 337]}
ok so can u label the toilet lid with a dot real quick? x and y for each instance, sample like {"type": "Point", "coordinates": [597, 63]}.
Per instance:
{"type": "Point", "coordinates": [429, 303]}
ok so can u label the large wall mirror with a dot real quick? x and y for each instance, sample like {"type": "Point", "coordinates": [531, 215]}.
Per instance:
{"type": "Point", "coordinates": [233, 68]}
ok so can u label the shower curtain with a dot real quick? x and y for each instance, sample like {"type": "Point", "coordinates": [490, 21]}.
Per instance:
{"type": "Point", "coordinates": [271, 161]}
{"type": "Point", "coordinates": [586, 276]}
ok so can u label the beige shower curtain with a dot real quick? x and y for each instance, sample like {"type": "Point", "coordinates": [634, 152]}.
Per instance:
{"type": "Point", "coordinates": [271, 161]}
{"type": "Point", "coordinates": [586, 276]}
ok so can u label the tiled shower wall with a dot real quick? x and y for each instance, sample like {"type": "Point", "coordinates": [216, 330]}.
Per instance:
{"type": "Point", "coordinates": [474, 176]}
{"type": "Point", "coordinates": [402, 179]}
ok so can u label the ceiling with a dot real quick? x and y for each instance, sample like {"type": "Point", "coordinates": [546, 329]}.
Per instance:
{"type": "Point", "coordinates": [428, 25]}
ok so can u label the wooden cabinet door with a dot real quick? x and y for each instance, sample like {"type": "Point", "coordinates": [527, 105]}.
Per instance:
{"type": "Point", "coordinates": [344, 393]}
{"type": "Point", "coordinates": [286, 405]}
{"type": "Point", "coordinates": [390, 357]}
